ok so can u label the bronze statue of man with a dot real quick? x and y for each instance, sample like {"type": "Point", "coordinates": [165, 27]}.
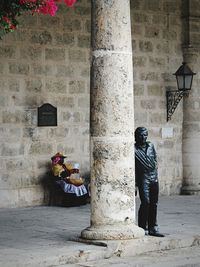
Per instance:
{"type": "Point", "coordinates": [146, 176]}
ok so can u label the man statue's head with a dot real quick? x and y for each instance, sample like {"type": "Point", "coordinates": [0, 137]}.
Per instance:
{"type": "Point", "coordinates": [141, 134]}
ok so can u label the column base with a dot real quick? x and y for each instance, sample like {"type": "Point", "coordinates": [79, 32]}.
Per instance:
{"type": "Point", "coordinates": [190, 190]}
{"type": "Point", "coordinates": [113, 232]}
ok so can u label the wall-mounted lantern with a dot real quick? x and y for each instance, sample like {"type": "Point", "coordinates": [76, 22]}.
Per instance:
{"type": "Point", "coordinates": [184, 77]}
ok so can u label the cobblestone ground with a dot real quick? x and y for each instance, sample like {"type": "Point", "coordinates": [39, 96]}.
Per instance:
{"type": "Point", "coordinates": [43, 237]}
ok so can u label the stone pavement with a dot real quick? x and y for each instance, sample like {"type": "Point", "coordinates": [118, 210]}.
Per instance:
{"type": "Point", "coordinates": [47, 236]}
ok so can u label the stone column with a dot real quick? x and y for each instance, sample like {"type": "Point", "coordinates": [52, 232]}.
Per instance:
{"type": "Point", "coordinates": [112, 124]}
{"type": "Point", "coordinates": [191, 104]}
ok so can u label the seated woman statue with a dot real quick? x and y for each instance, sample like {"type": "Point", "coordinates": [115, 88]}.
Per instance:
{"type": "Point", "coordinates": [68, 177]}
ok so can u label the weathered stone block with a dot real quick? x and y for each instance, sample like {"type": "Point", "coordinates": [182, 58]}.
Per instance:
{"type": "Point", "coordinates": [30, 117]}
{"type": "Point", "coordinates": [166, 144]}
{"type": "Point", "coordinates": [19, 68]}
{"type": "Point", "coordinates": [84, 102]}
{"type": "Point", "coordinates": [56, 54]}
{"type": "Point", "coordinates": [25, 101]}
{"type": "Point", "coordinates": [191, 129]}
{"type": "Point", "coordinates": [56, 86]}
{"type": "Point", "coordinates": [72, 24]}
{"type": "Point", "coordinates": [172, 6]}
{"type": "Point", "coordinates": [65, 116]}
{"type": "Point", "coordinates": [192, 116]}
{"type": "Point", "coordinates": [29, 132]}
{"type": "Point", "coordinates": [31, 196]}
{"type": "Point", "coordinates": [85, 72]}
{"type": "Point", "coordinates": [158, 118]}
{"type": "Point", "coordinates": [140, 117]}
{"type": "Point", "coordinates": [64, 71]}
{"type": "Point", "coordinates": [139, 61]}
{"type": "Point", "coordinates": [134, 5]}
{"type": "Point", "coordinates": [8, 198]}
{"type": "Point", "coordinates": [12, 149]}
{"type": "Point", "coordinates": [137, 30]}
{"type": "Point", "coordinates": [67, 149]}
{"type": "Point", "coordinates": [83, 11]}
{"type": "Point", "coordinates": [88, 26]}
{"type": "Point", "coordinates": [27, 21]}
{"type": "Point", "coordinates": [148, 104]}
{"type": "Point", "coordinates": [162, 48]}
{"type": "Point", "coordinates": [64, 39]}
{"type": "Point", "coordinates": [17, 165]}
{"type": "Point", "coordinates": [138, 89]}
{"type": "Point", "coordinates": [140, 18]}
{"type": "Point", "coordinates": [191, 145]}
{"type": "Point", "coordinates": [146, 46]}
{"type": "Point", "coordinates": [150, 76]}
{"type": "Point", "coordinates": [58, 132]}
{"type": "Point", "coordinates": [1, 68]}
{"type": "Point", "coordinates": [12, 116]}
{"type": "Point", "coordinates": [45, 21]}
{"type": "Point", "coordinates": [195, 38]}
{"type": "Point", "coordinates": [14, 85]}
{"type": "Point", "coordinates": [7, 52]}
{"type": "Point", "coordinates": [157, 62]}
{"type": "Point", "coordinates": [152, 32]}
{"type": "Point", "coordinates": [170, 35]}
{"type": "Point", "coordinates": [41, 38]}
{"type": "Point", "coordinates": [159, 19]}
{"type": "Point", "coordinates": [41, 148]}
{"type": "Point", "coordinates": [155, 90]}
{"type": "Point", "coordinates": [31, 53]}
{"type": "Point", "coordinates": [77, 55]}
{"type": "Point", "coordinates": [76, 87]}
{"type": "Point", "coordinates": [4, 101]}
{"type": "Point", "coordinates": [34, 86]}
{"type": "Point", "coordinates": [84, 41]}
{"type": "Point", "coordinates": [65, 101]}
{"type": "Point", "coordinates": [39, 69]}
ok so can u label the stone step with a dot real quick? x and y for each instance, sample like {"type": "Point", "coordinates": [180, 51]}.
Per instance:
{"type": "Point", "coordinates": [83, 252]}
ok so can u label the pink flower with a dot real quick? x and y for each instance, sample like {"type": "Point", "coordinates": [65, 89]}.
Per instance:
{"type": "Point", "coordinates": [70, 3]}
{"type": "Point", "coordinates": [49, 7]}
{"type": "Point", "coordinates": [22, 2]}
{"type": "Point", "coordinates": [13, 27]}
{"type": "Point", "coordinates": [6, 19]}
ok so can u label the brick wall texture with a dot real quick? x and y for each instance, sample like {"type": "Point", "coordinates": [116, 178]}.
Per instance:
{"type": "Point", "coordinates": [47, 60]}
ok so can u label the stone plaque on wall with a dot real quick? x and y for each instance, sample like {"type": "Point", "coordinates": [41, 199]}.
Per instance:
{"type": "Point", "coordinates": [47, 115]}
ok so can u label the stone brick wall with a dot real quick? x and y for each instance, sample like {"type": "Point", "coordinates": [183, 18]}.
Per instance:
{"type": "Point", "coordinates": [157, 53]}
{"type": "Point", "coordinates": [47, 61]}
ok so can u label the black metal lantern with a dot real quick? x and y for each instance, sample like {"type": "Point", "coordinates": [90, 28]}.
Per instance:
{"type": "Point", "coordinates": [184, 77]}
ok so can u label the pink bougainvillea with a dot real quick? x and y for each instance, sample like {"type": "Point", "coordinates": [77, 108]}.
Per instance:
{"type": "Point", "coordinates": [9, 11]}
{"type": "Point", "coordinates": [70, 3]}
{"type": "Point", "coordinates": [23, 2]}
{"type": "Point", "coordinates": [48, 7]}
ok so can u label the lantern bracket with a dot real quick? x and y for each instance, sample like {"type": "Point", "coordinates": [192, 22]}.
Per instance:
{"type": "Point", "coordinates": [173, 98]}
{"type": "Point", "coordinates": [184, 76]}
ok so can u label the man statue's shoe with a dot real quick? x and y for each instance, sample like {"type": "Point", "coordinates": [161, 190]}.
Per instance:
{"type": "Point", "coordinates": [155, 233]}
{"type": "Point", "coordinates": [146, 232]}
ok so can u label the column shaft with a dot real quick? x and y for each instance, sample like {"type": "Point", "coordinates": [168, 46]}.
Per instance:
{"type": "Point", "coordinates": [191, 119]}
{"type": "Point", "coordinates": [112, 124]}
